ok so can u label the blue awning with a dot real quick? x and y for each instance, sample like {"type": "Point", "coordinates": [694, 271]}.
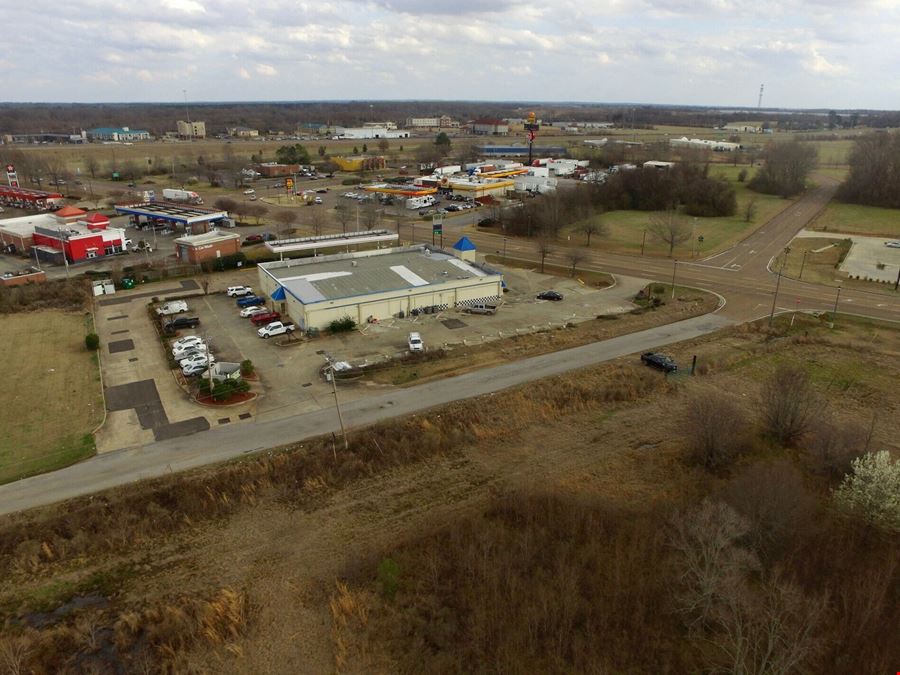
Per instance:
{"type": "Point", "coordinates": [278, 294]}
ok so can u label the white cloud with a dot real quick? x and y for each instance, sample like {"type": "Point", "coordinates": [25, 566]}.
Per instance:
{"type": "Point", "coordinates": [569, 49]}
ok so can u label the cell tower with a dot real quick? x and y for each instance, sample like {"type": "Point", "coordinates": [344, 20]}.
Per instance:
{"type": "Point", "coordinates": [759, 103]}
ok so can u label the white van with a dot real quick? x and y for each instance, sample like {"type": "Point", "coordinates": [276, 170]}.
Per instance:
{"type": "Point", "coordinates": [173, 307]}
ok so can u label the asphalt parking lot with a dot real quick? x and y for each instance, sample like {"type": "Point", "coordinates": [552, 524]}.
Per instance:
{"type": "Point", "coordinates": [134, 362]}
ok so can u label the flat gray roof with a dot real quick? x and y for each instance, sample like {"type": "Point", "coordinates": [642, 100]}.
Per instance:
{"type": "Point", "coordinates": [345, 276]}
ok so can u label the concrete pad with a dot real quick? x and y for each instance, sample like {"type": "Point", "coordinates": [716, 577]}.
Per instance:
{"type": "Point", "coordinates": [865, 255]}
{"type": "Point", "coordinates": [122, 430]}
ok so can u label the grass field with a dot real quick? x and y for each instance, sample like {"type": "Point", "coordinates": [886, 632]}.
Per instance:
{"type": "Point", "coordinates": [626, 228]}
{"type": "Point", "coordinates": [856, 219]}
{"type": "Point", "coordinates": [53, 399]}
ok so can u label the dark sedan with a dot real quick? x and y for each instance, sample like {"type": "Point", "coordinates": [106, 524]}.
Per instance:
{"type": "Point", "coordinates": [550, 295]}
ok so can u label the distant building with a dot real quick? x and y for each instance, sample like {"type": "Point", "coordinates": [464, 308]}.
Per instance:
{"type": "Point", "coordinates": [118, 134]}
{"type": "Point", "coordinates": [197, 248]}
{"type": "Point", "coordinates": [362, 133]}
{"type": "Point", "coordinates": [359, 163]}
{"type": "Point", "coordinates": [520, 150]}
{"type": "Point", "coordinates": [191, 129]}
{"type": "Point", "coordinates": [274, 170]}
{"type": "Point", "coordinates": [489, 126]}
{"type": "Point", "coordinates": [442, 122]}
{"type": "Point", "coordinates": [390, 126]}
{"type": "Point", "coordinates": [243, 132]}
{"type": "Point", "coordinates": [705, 144]}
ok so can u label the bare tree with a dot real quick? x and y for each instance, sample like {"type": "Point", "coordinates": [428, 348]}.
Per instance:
{"type": "Point", "coordinates": [592, 227]}
{"type": "Point", "coordinates": [750, 209]}
{"type": "Point", "coordinates": [343, 215]}
{"type": "Point", "coordinates": [225, 204]}
{"type": "Point", "coordinates": [370, 214]}
{"type": "Point", "coordinates": [834, 444]}
{"type": "Point", "coordinates": [714, 427]}
{"type": "Point", "coordinates": [774, 500]}
{"type": "Point", "coordinates": [551, 214]}
{"type": "Point", "coordinates": [316, 220]}
{"type": "Point", "coordinates": [575, 256]}
{"type": "Point", "coordinates": [257, 211]}
{"type": "Point", "coordinates": [788, 404]}
{"type": "Point", "coordinates": [239, 210]}
{"type": "Point", "coordinates": [285, 219]}
{"type": "Point", "coordinates": [92, 165]}
{"type": "Point", "coordinates": [671, 228]}
{"type": "Point", "coordinates": [544, 249]}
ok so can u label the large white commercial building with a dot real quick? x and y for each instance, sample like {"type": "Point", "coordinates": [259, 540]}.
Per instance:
{"type": "Point", "coordinates": [704, 144]}
{"type": "Point", "coordinates": [370, 132]}
{"type": "Point", "coordinates": [377, 285]}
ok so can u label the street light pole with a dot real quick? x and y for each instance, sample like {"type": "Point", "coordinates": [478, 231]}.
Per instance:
{"type": "Point", "coordinates": [674, 270]}
{"type": "Point", "coordinates": [834, 311]}
{"type": "Point", "coordinates": [778, 284]}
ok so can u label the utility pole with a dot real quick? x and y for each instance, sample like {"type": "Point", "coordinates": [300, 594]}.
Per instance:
{"type": "Point", "coordinates": [787, 250]}
{"type": "Point", "coordinates": [337, 402]}
{"type": "Point", "coordinates": [897, 283]}
{"type": "Point", "coordinates": [62, 244]}
{"type": "Point", "coordinates": [674, 270]}
{"type": "Point", "coordinates": [504, 250]}
{"type": "Point", "coordinates": [802, 264]}
{"type": "Point", "coordinates": [643, 241]}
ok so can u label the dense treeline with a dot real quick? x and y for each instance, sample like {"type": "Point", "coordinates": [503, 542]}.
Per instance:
{"type": "Point", "coordinates": [786, 169]}
{"type": "Point", "coordinates": [874, 177]}
{"type": "Point", "coordinates": [160, 117]}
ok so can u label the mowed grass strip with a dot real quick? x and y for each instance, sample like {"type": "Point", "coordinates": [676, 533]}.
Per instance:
{"type": "Point", "coordinates": [52, 399]}
{"type": "Point", "coordinates": [857, 219]}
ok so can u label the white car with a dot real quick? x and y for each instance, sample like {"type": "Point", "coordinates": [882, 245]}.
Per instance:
{"type": "Point", "coordinates": [179, 352]}
{"type": "Point", "coordinates": [185, 341]}
{"type": "Point", "coordinates": [174, 307]}
{"type": "Point", "coordinates": [317, 200]}
{"type": "Point", "coordinates": [415, 343]}
{"type": "Point", "coordinates": [250, 191]}
{"type": "Point", "coordinates": [253, 311]}
{"type": "Point", "coordinates": [238, 291]}
{"type": "Point", "coordinates": [190, 354]}
{"type": "Point", "coordinates": [892, 244]}
{"type": "Point", "coordinates": [197, 360]}
{"type": "Point", "coordinates": [197, 369]}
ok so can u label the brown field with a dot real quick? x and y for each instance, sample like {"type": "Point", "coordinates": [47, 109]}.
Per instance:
{"type": "Point", "coordinates": [52, 400]}
{"type": "Point", "coordinates": [527, 530]}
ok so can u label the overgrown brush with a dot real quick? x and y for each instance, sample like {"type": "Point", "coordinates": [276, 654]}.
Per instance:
{"type": "Point", "coordinates": [122, 519]}
{"type": "Point", "coordinates": [66, 294]}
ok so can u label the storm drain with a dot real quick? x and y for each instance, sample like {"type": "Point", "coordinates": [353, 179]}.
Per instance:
{"type": "Point", "coordinates": [245, 416]}
{"type": "Point", "coordinates": [225, 420]}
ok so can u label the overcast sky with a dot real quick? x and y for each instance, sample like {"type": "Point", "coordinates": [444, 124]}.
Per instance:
{"type": "Point", "coordinates": [809, 53]}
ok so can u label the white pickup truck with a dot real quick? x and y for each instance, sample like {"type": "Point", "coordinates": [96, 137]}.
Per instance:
{"type": "Point", "coordinates": [275, 328]}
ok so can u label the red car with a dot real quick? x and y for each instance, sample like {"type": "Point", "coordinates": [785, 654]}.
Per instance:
{"type": "Point", "coordinates": [263, 319]}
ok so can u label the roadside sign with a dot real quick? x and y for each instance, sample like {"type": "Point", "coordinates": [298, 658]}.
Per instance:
{"type": "Point", "coordinates": [289, 184]}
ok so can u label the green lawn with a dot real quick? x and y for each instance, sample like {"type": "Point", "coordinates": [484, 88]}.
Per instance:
{"type": "Point", "coordinates": [856, 219]}
{"type": "Point", "coordinates": [626, 228]}
{"type": "Point", "coordinates": [55, 402]}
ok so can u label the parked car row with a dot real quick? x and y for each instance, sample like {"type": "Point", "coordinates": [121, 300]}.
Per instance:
{"type": "Point", "coordinates": [268, 320]}
{"type": "Point", "coordinates": [193, 355]}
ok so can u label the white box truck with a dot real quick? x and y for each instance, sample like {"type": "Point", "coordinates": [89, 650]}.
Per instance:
{"type": "Point", "coordinates": [187, 196]}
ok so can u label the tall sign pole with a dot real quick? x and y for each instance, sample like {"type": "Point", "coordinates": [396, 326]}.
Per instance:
{"type": "Point", "coordinates": [531, 128]}
{"type": "Point", "coordinates": [11, 176]}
